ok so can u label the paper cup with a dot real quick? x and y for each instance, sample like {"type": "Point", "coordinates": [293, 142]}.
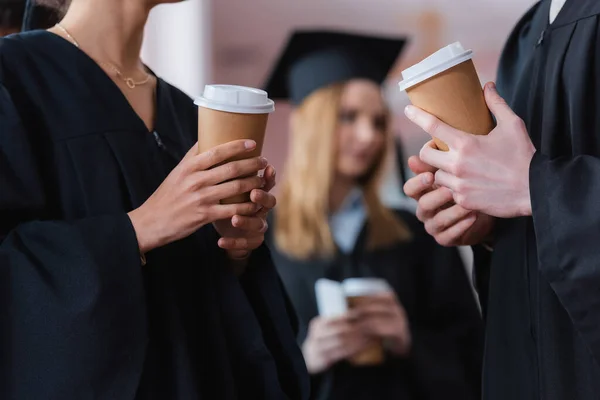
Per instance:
{"type": "Point", "coordinates": [446, 85]}
{"type": "Point", "coordinates": [227, 113]}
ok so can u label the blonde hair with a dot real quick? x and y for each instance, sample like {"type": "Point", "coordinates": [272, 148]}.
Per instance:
{"type": "Point", "coordinates": [301, 228]}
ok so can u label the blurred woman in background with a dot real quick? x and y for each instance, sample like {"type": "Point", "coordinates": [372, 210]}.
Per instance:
{"type": "Point", "coordinates": [330, 223]}
{"type": "Point", "coordinates": [121, 274]}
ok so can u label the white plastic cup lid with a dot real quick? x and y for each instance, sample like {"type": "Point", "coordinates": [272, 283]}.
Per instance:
{"type": "Point", "coordinates": [365, 286]}
{"type": "Point", "coordinates": [235, 99]}
{"type": "Point", "coordinates": [436, 63]}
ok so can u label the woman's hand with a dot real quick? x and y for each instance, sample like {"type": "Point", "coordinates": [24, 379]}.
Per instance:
{"type": "Point", "coordinates": [449, 223]}
{"type": "Point", "coordinates": [242, 234]}
{"type": "Point", "coordinates": [189, 197]}
{"type": "Point", "coordinates": [490, 173]}
{"type": "Point", "coordinates": [383, 317]}
{"type": "Point", "coordinates": [331, 340]}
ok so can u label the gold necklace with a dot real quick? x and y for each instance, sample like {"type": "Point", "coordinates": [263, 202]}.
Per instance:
{"type": "Point", "coordinates": [130, 82]}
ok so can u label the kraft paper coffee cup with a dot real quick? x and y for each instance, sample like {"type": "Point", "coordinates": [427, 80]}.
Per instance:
{"type": "Point", "coordinates": [227, 113]}
{"type": "Point", "coordinates": [357, 291]}
{"type": "Point", "coordinates": [446, 85]}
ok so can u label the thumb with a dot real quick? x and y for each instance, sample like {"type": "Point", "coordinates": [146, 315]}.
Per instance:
{"type": "Point", "coordinates": [497, 104]}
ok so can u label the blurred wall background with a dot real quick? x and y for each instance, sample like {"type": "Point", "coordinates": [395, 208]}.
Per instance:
{"type": "Point", "coordinates": [236, 42]}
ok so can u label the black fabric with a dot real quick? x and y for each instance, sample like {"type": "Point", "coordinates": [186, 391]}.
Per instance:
{"type": "Point", "coordinates": [432, 285]}
{"type": "Point", "coordinates": [401, 168]}
{"type": "Point", "coordinates": [543, 330]}
{"type": "Point", "coordinates": [80, 318]}
{"type": "Point", "coordinates": [315, 59]}
{"type": "Point", "coordinates": [482, 258]}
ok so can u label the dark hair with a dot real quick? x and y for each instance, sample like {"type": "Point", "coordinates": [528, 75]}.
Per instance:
{"type": "Point", "coordinates": [11, 14]}
{"type": "Point", "coordinates": [43, 14]}
{"type": "Point", "coordinates": [60, 6]}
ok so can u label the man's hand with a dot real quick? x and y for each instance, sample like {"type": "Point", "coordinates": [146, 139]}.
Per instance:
{"type": "Point", "coordinates": [488, 173]}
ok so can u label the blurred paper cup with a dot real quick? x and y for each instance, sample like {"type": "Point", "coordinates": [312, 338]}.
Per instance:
{"type": "Point", "coordinates": [359, 290]}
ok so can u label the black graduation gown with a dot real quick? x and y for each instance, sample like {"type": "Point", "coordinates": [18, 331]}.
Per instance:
{"type": "Point", "coordinates": [431, 284]}
{"type": "Point", "coordinates": [80, 318]}
{"type": "Point", "coordinates": [543, 317]}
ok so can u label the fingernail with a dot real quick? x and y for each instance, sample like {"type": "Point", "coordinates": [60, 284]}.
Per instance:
{"type": "Point", "coordinates": [264, 162]}
{"type": "Point", "coordinates": [235, 220]}
{"type": "Point", "coordinates": [409, 111]}
{"type": "Point", "coordinates": [426, 179]}
{"type": "Point", "coordinates": [492, 86]}
{"type": "Point", "coordinates": [263, 183]}
{"type": "Point", "coordinates": [250, 144]}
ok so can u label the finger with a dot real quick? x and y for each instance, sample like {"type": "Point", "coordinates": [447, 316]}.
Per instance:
{"type": "Point", "coordinates": [451, 236]}
{"type": "Point", "coordinates": [238, 254]}
{"type": "Point", "coordinates": [417, 166]}
{"type": "Point", "coordinates": [419, 185]}
{"type": "Point", "coordinates": [445, 179]}
{"type": "Point", "coordinates": [433, 126]}
{"type": "Point", "coordinates": [333, 334]}
{"type": "Point", "coordinates": [437, 158]}
{"type": "Point", "coordinates": [344, 339]}
{"type": "Point", "coordinates": [266, 200]}
{"type": "Point", "coordinates": [382, 325]}
{"type": "Point", "coordinates": [333, 351]}
{"type": "Point", "coordinates": [334, 327]}
{"type": "Point", "coordinates": [232, 170]}
{"type": "Point", "coordinates": [232, 188]}
{"type": "Point", "coordinates": [497, 104]}
{"type": "Point", "coordinates": [376, 309]}
{"type": "Point", "coordinates": [386, 298]}
{"type": "Point", "coordinates": [224, 152]}
{"type": "Point", "coordinates": [250, 224]}
{"type": "Point", "coordinates": [244, 244]}
{"type": "Point", "coordinates": [227, 211]}
{"type": "Point", "coordinates": [436, 199]}
{"type": "Point", "coordinates": [347, 349]}
{"type": "Point", "coordinates": [269, 178]}
{"type": "Point", "coordinates": [446, 219]}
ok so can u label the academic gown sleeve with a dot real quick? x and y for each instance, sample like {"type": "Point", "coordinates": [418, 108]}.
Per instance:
{"type": "Point", "coordinates": [565, 195]}
{"type": "Point", "coordinates": [72, 311]}
{"type": "Point", "coordinates": [448, 333]}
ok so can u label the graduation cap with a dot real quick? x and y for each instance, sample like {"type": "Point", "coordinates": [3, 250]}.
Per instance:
{"type": "Point", "coordinates": [40, 16]}
{"type": "Point", "coordinates": [315, 59]}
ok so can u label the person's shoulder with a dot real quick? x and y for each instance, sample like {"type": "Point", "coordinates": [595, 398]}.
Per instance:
{"type": "Point", "coordinates": [20, 44]}
{"type": "Point", "coordinates": [12, 48]}
{"type": "Point", "coordinates": [18, 51]}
